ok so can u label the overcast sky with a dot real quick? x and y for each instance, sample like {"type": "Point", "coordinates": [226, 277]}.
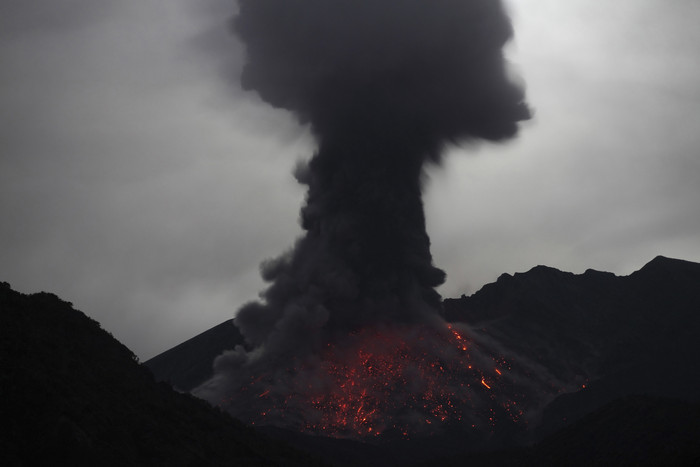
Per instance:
{"type": "Point", "coordinates": [138, 183]}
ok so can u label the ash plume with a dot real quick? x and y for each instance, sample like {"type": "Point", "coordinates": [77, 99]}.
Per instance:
{"type": "Point", "coordinates": [384, 85]}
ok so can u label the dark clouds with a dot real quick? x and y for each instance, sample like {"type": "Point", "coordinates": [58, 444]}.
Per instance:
{"type": "Point", "coordinates": [137, 185]}
{"type": "Point", "coordinates": [608, 161]}
{"type": "Point", "coordinates": [403, 67]}
{"type": "Point", "coordinates": [384, 86]}
{"type": "Point", "coordinates": [112, 139]}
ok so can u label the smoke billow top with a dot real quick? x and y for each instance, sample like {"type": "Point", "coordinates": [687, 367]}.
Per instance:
{"type": "Point", "coordinates": [384, 85]}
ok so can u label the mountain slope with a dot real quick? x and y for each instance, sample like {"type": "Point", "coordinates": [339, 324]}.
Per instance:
{"type": "Point", "coordinates": [616, 336]}
{"type": "Point", "coordinates": [69, 391]}
{"type": "Point", "coordinates": [599, 336]}
{"type": "Point", "coordinates": [630, 431]}
{"type": "Point", "coordinates": [72, 394]}
{"type": "Point", "coordinates": [579, 326]}
{"type": "Point", "coordinates": [183, 366]}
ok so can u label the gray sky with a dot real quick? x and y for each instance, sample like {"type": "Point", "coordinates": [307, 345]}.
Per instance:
{"type": "Point", "coordinates": [138, 184]}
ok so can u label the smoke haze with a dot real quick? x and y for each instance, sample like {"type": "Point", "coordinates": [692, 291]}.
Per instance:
{"type": "Point", "coordinates": [384, 86]}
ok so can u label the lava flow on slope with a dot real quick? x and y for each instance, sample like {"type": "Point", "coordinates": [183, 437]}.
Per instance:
{"type": "Point", "coordinates": [392, 380]}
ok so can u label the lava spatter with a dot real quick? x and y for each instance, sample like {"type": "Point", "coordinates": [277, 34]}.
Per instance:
{"type": "Point", "coordinates": [400, 380]}
{"type": "Point", "coordinates": [347, 339]}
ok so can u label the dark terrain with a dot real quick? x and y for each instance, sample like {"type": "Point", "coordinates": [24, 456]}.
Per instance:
{"type": "Point", "coordinates": [71, 394]}
{"type": "Point", "coordinates": [619, 336]}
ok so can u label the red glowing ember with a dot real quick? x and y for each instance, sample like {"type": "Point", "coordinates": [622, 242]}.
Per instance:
{"type": "Point", "coordinates": [399, 379]}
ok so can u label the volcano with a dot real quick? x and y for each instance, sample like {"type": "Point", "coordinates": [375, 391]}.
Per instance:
{"type": "Point", "coordinates": [565, 345]}
{"type": "Point", "coordinates": [351, 339]}
{"type": "Point", "coordinates": [72, 392]}
{"type": "Point", "coordinates": [383, 86]}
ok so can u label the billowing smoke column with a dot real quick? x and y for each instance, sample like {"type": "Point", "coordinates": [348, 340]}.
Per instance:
{"type": "Point", "coordinates": [384, 85]}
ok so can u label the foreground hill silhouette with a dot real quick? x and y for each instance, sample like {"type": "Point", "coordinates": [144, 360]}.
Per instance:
{"type": "Point", "coordinates": [630, 431]}
{"type": "Point", "coordinates": [71, 394]}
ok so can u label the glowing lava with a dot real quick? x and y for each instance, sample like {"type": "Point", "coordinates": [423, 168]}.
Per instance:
{"type": "Point", "coordinates": [403, 380]}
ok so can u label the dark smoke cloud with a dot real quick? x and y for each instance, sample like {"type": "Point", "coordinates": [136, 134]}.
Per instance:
{"type": "Point", "coordinates": [384, 85]}
{"type": "Point", "coordinates": [428, 71]}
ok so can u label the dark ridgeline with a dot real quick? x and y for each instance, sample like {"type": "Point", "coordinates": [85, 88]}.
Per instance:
{"type": "Point", "coordinates": [71, 394]}
{"type": "Point", "coordinates": [615, 335]}
{"type": "Point", "coordinates": [620, 336]}
{"type": "Point", "coordinates": [384, 85]}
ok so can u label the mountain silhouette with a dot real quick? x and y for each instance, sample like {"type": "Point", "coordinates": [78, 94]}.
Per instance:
{"type": "Point", "coordinates": [581, 326]}
{"type": "Point", "coordinates": [602, 337]}
{"type": "Point", "coordinates": [616, 336]}
{"type": "Point", "coordinates": [71, 394]}
{"type": "Point", "coordinates": [624, 349]}
{"type": "Point", "coordinates": [630, 431]}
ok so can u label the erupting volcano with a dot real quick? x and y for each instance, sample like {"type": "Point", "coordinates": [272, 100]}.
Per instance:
{"type": "Point", "coordinates": [394, 379]}
{"type": "Point", "coordinates": [348, 339]}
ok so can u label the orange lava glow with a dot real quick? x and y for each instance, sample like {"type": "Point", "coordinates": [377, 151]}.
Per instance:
{"type": "Point", "coordinates": [399, 379]}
